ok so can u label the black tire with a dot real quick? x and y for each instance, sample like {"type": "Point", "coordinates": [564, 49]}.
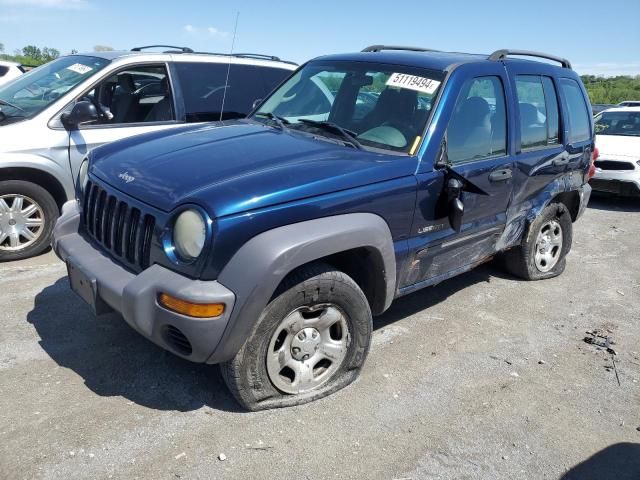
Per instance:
{"type": "Point", "coordinates": [50, 213]}
{"type": "Point", "coordinates": [246, 374]}
{"type": "Point", "coordinates": [520, 260]}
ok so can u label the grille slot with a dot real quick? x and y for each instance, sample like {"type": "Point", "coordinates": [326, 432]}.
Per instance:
{"type": "Point", "coordinates": [121, 229]}
{"type": "Point", "coordinates": [177, 340]}
{"type": "Point", "coordinates": [614, 165]}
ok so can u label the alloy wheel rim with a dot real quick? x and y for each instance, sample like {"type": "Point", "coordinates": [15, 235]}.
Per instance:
{"type": "Point", "coordinates": [307, 348]}
{"type": "Point", "coordinates": [21, 222]}
{"type": "Point", "coordinates": [548, 246]}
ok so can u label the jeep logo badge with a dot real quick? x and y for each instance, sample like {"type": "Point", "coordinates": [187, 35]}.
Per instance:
{"type": "Point", "coordinates": [126, 177]}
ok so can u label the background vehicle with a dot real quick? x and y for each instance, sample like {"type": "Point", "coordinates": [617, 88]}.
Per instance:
{"type": "Point", "coordinates": [630, 103]}
{"type": "Point", "coordinates": [9, 71]}
{"type": "Point", "coordinates": [53, 115]}
{"type": "Point", "coordinates": [599, 107]}
{"type": "Point", "coordinates": [268, 244]}
{"type": "Point", "coordinates": [618, 141]}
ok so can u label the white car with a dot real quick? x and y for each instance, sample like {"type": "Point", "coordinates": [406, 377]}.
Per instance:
{"type": "Point", "coordinates": [9, 71]}
{"type": "Point", "coordinates": [52, 116]}
{"type": "Point", "coordinates": [618, 141]}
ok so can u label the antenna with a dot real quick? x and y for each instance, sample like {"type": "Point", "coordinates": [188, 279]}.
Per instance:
{"type": "Point", "coordinates": [226, 82]}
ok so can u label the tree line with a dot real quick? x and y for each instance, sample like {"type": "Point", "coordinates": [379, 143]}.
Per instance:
{"type": "Point", "coordinates": [34, 56]}
{"type": "Point", "coordinates": [600, 89]}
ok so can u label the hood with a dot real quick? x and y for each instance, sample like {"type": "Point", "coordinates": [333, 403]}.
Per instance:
{"type": "Point", "coordinates": [614, 146]}
{"type": "Point", "coordinates": [238, 166]}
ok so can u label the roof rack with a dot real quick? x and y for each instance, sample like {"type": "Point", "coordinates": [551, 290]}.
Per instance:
{"type": "Point", "coordinates": [502, 54]}
{"type": "Point", "coordinates": [379, 48]}
{"type": "Point", "coordinates": [179, 49]}
{"type": "Point", "coordinates": [257, 56]}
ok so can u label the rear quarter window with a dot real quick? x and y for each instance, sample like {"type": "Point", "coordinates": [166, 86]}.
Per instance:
{"type": "Point", "coordinates": [578, 124]}
{"type": "Point", "coordinates": [3, 71]}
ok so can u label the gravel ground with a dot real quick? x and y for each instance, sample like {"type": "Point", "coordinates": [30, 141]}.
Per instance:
{"type": "Point", "coordinates": [481, 377]}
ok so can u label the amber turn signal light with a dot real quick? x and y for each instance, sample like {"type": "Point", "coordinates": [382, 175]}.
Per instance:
{"type": "Point", "coordinates": [197, 310]}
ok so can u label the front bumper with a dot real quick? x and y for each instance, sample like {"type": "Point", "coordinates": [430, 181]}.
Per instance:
{"type": "Point", "coordinates": [620, 182]}
{"type": "Point", "coordinates": [135, 296]}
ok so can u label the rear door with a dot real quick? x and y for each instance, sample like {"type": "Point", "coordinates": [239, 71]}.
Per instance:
{"type": "Point", "coordinates": [474, 128]}
{"type": "Point", "coordinates": [541, 155]}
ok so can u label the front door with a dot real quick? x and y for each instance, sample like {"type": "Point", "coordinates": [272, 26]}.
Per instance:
{"type": "Point", "coordinates": [134, 100]}
{"type": "Point", "coordinates": [474, 153]}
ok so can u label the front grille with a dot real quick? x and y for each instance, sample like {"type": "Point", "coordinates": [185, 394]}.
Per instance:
{"type": "Point", "coordinates": [122, 230]}
{"type": "Point", "coordinates": [614, 165]}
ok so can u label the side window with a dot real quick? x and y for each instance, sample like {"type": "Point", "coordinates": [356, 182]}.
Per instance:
{"type": "Point", "coordinates": [139, 94]}
{"type": "Point", "coordinates": [477, 128]}
{"type": "Point", "coordinates": [3, 70]}
{"type": "Point", "coordinates": [579, 126]}
{"type": "Point", "coordinates": [205, 88]}
{"type": "Point", "coordinates": [538, 109]}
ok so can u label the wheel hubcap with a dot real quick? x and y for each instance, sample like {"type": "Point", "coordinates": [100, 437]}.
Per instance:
{"type": "Point", "coordinates": [307, 348]}
{"type": "Point", "coordinates": [548, 246]}
{"type": "Point", "coordinates": [21, 222]}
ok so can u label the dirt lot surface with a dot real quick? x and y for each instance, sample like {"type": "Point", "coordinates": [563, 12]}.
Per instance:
{"type": "Point", "coordinates": [481, 377]}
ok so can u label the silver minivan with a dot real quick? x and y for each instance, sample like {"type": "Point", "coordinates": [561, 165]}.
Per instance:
{"type": "Point", "coordinates": [53, 115]}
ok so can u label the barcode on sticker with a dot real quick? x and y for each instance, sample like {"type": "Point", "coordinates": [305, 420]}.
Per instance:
{"type": "Point", "coordinates": [413, 82]}
{"type": "Point", "coordinates": [79, 68]}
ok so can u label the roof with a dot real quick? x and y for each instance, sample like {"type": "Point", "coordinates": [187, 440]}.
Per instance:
{"type": "Point", "coordinates": [622, 109]}
{"type": "Point", "coordinates": [437, 60]}
{"type": "Point", "coordinates": [116, 54]}
{"type": "Point", "coordinates": [7, 63]}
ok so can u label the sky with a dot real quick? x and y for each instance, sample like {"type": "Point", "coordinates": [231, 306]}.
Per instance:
{"type": "Point", "coordinates": [599, 37]}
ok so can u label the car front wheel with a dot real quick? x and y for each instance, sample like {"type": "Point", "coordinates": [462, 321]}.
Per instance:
{"type": "Point", "coordinates": [27, 215]}
{"type": "Point", "coordinates": [311, 340]}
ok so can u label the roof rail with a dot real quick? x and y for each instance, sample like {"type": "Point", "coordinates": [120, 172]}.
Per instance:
{"type": "Point", "coordinates": [257, 56]}
{"type": "Point", "coordinates": [502, 54]}
{"type": "Point", "coordinates": [379, 48]}
{"type": "Point", "coordinates": [180, 49]}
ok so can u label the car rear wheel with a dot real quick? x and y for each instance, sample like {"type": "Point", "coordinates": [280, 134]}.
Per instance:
{"type": "Point", "coordinates": [311, 340]}
{"type": "Point", "coordinates": [542, 253]}
{"type": "Point", "coordinates": [27, 215]}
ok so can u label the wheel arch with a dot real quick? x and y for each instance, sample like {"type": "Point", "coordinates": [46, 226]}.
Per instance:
{"type": "Point", "coordinates": [44, 178]}
{"type": "Point", "coordinates": [359, 244]}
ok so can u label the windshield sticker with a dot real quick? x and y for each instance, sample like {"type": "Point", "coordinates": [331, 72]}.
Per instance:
{"type": "Point", "coordinates": [413, 82]}
{"type": "Point", "coordinates": [79, 68]}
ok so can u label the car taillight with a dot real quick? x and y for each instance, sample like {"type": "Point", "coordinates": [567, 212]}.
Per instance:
{"type": "Point", "coordinates": [592, 168]}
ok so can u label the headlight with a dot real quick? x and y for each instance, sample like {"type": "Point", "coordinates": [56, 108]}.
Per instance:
{"type": "Point", "coordinates": [82, 175]}
{"type": "Point", "coordinates": [189, 234]}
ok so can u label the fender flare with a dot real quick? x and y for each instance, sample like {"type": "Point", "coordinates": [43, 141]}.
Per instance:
{"type": "Point", "coordinates": [258, 267]}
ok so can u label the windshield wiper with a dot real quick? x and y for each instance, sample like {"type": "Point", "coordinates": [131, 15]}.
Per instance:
{"type": "Point", "coordinates": [280, 121]}
{"type": "Point", "coordinates": [348, 135]}
{"type": "Point", "coordinates": [4, 102]}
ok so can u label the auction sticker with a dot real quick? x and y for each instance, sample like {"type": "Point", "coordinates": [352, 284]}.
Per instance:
{"type": "Point", "coordinates": [413, 82]}
{"type": "Point", "coordinates": [79, 68]}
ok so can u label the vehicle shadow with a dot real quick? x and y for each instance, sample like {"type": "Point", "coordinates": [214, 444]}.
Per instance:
{"type": "Point", "coordinates": [613, 203]}
{"type": "Point", "coordinates": [428, 297]}
{"type": "Point", "coordinates": [620, 461]}
{"type": "Point", "coordinates": [114, 360]}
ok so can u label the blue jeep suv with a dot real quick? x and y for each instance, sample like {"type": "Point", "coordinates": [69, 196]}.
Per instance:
{"type": "Point", "coordinates": [267, 244]}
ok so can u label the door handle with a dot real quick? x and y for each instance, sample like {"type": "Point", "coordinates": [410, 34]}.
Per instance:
{"type": "Point", "coordinates": [563, 159]}
{"type": "Point", "coordinates": [500, 175]}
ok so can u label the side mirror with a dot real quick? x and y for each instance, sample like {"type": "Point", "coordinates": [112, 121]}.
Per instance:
{"type": "Point", "coordinates": [256, 103]}
{"type": "Point", "coordinates": [456, 207]}
{"type": "Point", "coordinates": [82, 112]}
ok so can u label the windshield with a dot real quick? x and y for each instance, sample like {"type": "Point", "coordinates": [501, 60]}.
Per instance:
{"type": "Point", "coordinates": [618, 123]}
{"type": "Point", "coordinates": [34, 91]}
{"type": "Point", "coordinates": [366, 105]}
